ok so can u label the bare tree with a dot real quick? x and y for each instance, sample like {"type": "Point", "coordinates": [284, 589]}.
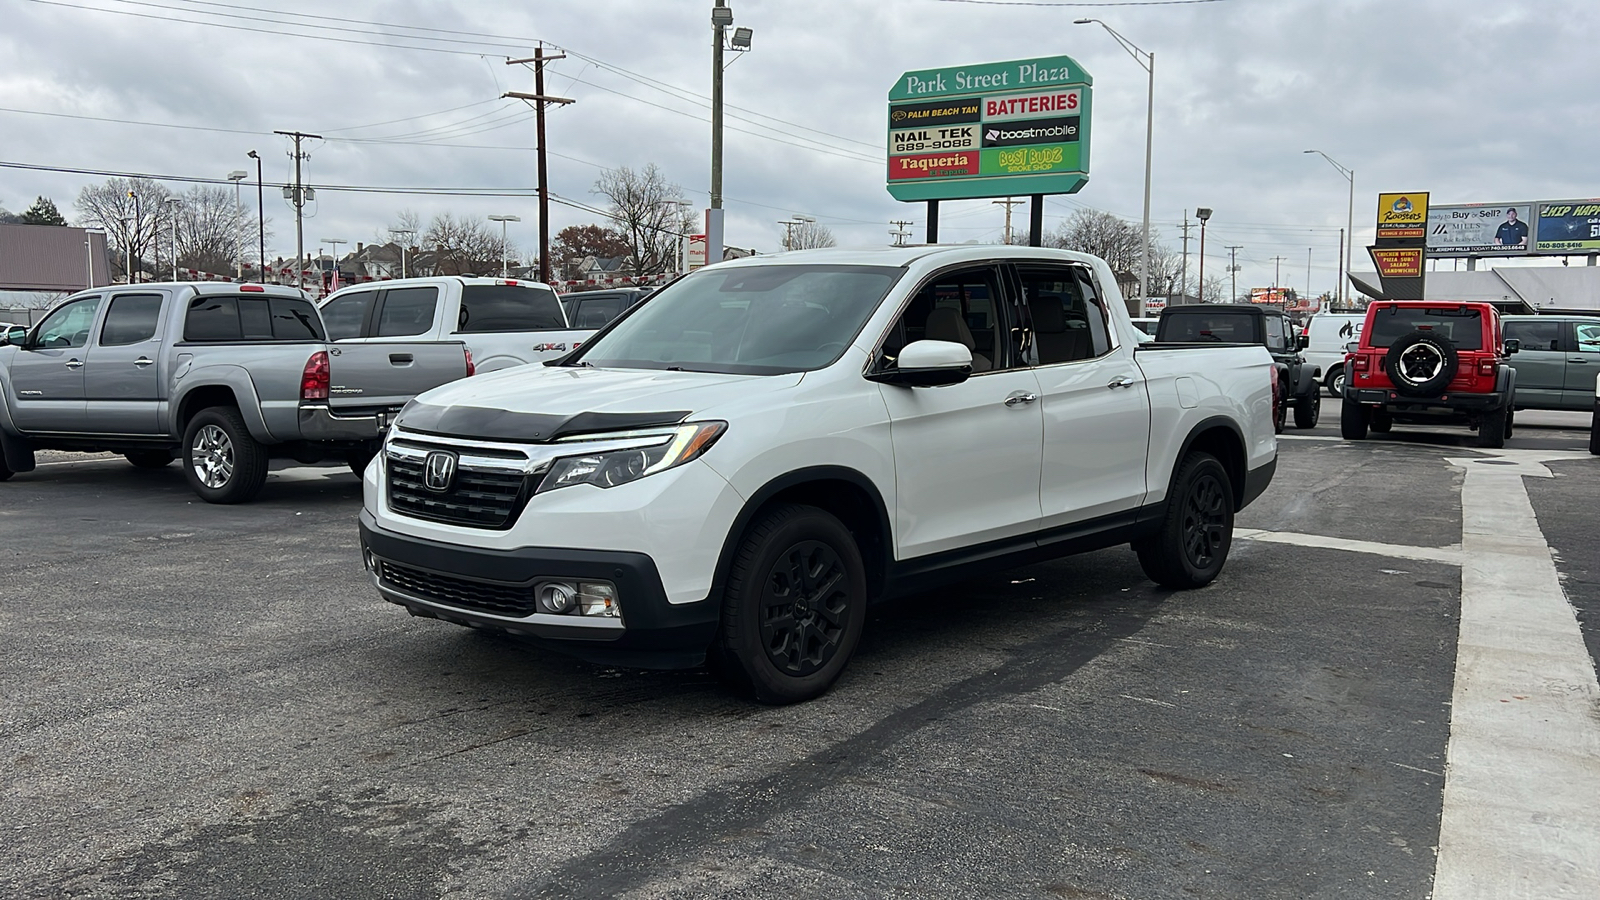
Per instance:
{"type": "Point", "coordinates": [214, 232]}
{"type": "Point", "coordinates": [647, 210]}
{"type": "Point", "coordinates": [1166, 271]}
{"type": "Point", "coordinates": [1117, 242]}
{"type": "Point", "coordinates": [464, 245]}
{"type": "Point", "coordinates": [131, 211]}
{"type": "Point", "coordinates": [809, 236]}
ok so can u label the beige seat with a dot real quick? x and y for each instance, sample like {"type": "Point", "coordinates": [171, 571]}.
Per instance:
{"type": "Point", "coordinates": [1056, 342]}
{"type": "Point", "coordinates": [946, 324]}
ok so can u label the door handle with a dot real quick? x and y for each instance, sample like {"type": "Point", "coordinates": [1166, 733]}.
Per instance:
{"type": "Point", "coordinates": [400, 359]}
{"type": "Point", "coordinates": [74, 363]}
{"type": "Point", "coordinates": [1576, 359]}
{"type": "Point", "coordinates": [143, 361]}
{"type": "Point", "coordinates": [1020, 398]}
{"type": "Point", "coordinates": [1121, 381]}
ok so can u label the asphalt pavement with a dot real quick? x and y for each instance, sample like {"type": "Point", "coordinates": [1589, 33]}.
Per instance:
{"type": "Point", "coordinates": [210, 701]}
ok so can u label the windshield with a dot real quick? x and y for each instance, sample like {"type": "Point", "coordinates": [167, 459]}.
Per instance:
{"type": "Point", "coordinates": [1462, 327]}
{"type": "Point", "coordinates": [747, 320]}
{"type": "Point", "coordinates": [1221, 325]}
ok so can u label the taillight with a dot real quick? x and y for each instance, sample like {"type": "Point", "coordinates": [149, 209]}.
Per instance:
{"type": "Point", "coordinates": [471, 369]}
{"type": "Point", "coordinates": [1273, 374]}
{"type": "Point", "coordinates": [1360, 363]}
{"type": "Point", "coordinates": [314, 377]}
{"type": "Point", "coordinates": [1486, 367]}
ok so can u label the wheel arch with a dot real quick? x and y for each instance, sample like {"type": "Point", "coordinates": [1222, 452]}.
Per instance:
{"type": "Point", "coordinates": [845, 493]}
{"type": "Point", "coordinates": [221, 393]}
{"type": "Point", "coordinates": [1221, 437]}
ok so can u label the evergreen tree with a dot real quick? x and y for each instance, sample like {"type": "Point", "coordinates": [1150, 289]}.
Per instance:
{"type": "Point", "coordinates": [43, 212]}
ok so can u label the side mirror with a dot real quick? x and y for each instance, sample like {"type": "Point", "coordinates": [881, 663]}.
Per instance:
{"type": "Point", "coordinates": [17, 336]}
{"type": "Point", "coordinates": [1513, 345]}
{"type": "Point", "coordinates": [1303, 341]}
{"type": "Point", "coordinates": [928, 364]}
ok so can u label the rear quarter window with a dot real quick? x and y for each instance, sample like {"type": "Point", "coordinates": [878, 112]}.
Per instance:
{"type": "Point", "coordinates": [219, 319]}
{"type": "Point", "coordinates": [504, 307]}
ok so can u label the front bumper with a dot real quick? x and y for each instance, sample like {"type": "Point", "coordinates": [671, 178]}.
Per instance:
{"type": "Point", "coordinates": [1398, 402]}
{"type": "Point", "coordinates": [441, 579]}
{"type": "Point", "coordinates": [319, 423]}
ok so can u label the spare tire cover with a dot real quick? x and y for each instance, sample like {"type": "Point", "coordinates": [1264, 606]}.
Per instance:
{"type": "Point", "coordinates": [1422, 364]}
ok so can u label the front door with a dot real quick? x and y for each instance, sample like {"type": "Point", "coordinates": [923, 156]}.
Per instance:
{"type": "Point", "coordinates": [122, 372]}
{"type": "Point", "coordinates": [967, 455]}
{"type": "Point", "coordinates": [47, 374]}
{"type": "Point", "coordinates": [1095, 405]}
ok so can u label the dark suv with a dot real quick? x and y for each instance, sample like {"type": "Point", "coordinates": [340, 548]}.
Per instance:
{"type": "Point", "coordinates": [1246, 323]}
{"type": "Point", "coordinates": [1431, 362]}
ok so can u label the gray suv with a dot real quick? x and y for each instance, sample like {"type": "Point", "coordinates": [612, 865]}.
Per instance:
{"type": "Point", "coordinates": [1557, 362]}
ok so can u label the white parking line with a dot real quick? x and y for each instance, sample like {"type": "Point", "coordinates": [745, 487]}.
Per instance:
{"type": "Point", "coordinates": [310, 473]}
{"type": "Point", "coordinates": [1450, 555]}
{"type": "Point", "coordinates": [1522, 779]}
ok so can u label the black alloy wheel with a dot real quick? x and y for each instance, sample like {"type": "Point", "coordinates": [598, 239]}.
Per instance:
{"type": "Point", "coordinates": [1196, 532]}
{"type": "Point", "coordinates": [1207, 518]}
{"type": "Point", "coordinates": [804, 608]}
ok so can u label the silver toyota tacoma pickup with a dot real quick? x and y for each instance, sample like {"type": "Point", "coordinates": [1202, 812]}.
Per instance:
{"type": "Point", "coordinates": [223, 377]}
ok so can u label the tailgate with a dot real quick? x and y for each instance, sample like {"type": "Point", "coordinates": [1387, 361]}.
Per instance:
{"type": "Point", "coordinates": [381, 375]}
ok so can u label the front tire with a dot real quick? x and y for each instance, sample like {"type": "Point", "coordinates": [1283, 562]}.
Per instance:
{"type": "Point", "coordinates": [150, 459]}
{"type": "Point", "coordinates": [1197, 529]}
{"type": "Point", "coordinates": [1308, 410]}
{"type": "Point", "coordinates": [1353, 421]}
{"type": "Point", "coordinates": [358, 460]}
{"type": "Point", "coordinates": [794, 606]}
{"type": "Point", "coordinates": [221, 461]}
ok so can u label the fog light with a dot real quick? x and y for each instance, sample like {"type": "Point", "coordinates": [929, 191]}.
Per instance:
{"type": "Point", "coordinates": [367, 559]}
{"type": "Point", "coordinates": [598, 598]}
{"type": "Point", "coordinates": [557, 597]}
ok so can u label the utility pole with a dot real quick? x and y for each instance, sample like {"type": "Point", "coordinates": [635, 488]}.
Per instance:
{"type": "Point", "coordinates": [1233, 267]}
{"type": "Point", "coordinates": [1008, 203]}
{"type": "Point", "coordinates": [540, 101]}
{"type": "Point", "coordinates": [1184, 271]}
{"type": "Point", "coordinates": [172, 204]}
{"type": "Point", "coordinates": [900, 233]}
{"type": "Point", "coordinates": [299, 197]}
{"type": "Point", "coordinates": [1308, 273]}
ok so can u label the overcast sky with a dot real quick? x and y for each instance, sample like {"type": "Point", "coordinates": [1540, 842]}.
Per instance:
{"type": "Point", "coordinates": [1473, 101]}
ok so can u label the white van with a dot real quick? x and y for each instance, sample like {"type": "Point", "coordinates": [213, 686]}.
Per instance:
{"type": "Point", "coordinates": [1328, 333]}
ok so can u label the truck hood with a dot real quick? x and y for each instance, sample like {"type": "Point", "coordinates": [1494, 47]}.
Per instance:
{"type": "Point", "coordinates": [541, 403]}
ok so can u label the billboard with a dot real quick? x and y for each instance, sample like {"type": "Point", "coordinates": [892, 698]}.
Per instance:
{"type": "Point", "coordinates": [1480, 229]}
{"type": "Point", "coordinates": [989, 130]}
{"type": "Point", "coordinates": [1402, 215]}
{"type": "Point", "coordinates": [1568, 226]}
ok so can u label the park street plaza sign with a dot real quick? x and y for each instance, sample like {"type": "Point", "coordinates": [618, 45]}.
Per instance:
{"type": "Point", "coordinates": [990, 130]}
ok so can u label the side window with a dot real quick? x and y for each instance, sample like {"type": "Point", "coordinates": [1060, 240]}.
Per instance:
{"type": "Point", "coordinates": [407, 311]}
{"type": "Point", "coordinates": [1069, 324]}
{"type": "Point", "coordinates": [69, 325]}
{"type": "Point", "coordinates": [294, 320]}
{"type": "Point", "coordinates": [212, 319]}
{"type": "Point", "coordinates": [130, 319]}
{"type": "Point", "coordinates": [1275, 339]}
{"type": "Point", "coordinates": [346, 316]}
{"type": "Point", "coordinates": [1588, 338]}
{"type": "Point", "coordinates": [959, 307]}
{"type": "Point", "coordinates": [595, 313]}
{"type": "Point", "coordinates": [1535, 335]}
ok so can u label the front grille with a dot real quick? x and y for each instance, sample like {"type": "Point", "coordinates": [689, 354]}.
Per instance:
{"type": "Point", "coordinates": [476, 499]}
{"type": "Point", "coordinates": [484, 596]}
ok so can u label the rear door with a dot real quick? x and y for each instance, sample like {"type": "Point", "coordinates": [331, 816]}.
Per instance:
{"type": "Point", "coordinates": [122, 371]}
{"type": "Point", "coordinates": [1541, 362]}
{"type": "Point", "coordinates": [1583, 364]}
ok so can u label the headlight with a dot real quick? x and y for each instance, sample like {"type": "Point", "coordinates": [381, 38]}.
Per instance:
{"type": "Point", "coordinates": [651, 452]}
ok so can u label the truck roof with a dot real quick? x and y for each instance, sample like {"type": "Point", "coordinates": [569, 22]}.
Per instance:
{"type": "Point", "coordinates": [1248, 308]}
{"type": "Point", "coordinates": [905, 256]}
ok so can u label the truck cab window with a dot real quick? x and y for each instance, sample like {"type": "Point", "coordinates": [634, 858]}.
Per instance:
{"type": "Point", "coordinates": [959, 307]}
{"type": "Point", "coordinates": [407, 311]}
{"type": "Point", "coordinates": [69, 325]}
{"type": "Point", "coordinates": [130, 319]}
{"type": "Point", "coordinates": [346, 316]}
{"type": "Point", "coordinates": [1068, 322]}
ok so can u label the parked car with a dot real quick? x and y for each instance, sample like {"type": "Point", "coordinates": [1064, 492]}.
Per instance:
{"type": "Point", "coordinates": [503, 322]}
{"type": "Point", "coordinates": [740, 465]}
{"type": "Point", "coordinates": [1326, 336]}
{"type": "Point", "coordinates": [221, 376]}
{"type": "Point", "coordinates": [594, 309]}
{"type": "Point", "coordinates": [1146, 324]}
{"type": "Point", "coordinates": [1249, 323]}
{"type": "Point", "coordinates": [1431, 362]}
{"type": "Point", "coordinates": [1558, 358]}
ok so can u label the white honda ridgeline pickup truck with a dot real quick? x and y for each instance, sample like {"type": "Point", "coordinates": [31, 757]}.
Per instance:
{"type": "Point", "coordinates": [738, 467]}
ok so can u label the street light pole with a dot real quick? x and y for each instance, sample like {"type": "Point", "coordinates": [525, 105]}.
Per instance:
{"type": "Point", "coordinates": [172, 204]}
{"type": "Point", "coordinates": [1350, 225]}
{"type": "Point", "coordinates": [408, 233]}
{"type": "Point", "coordinates": [505, 250]}
{"type": "Point", "coordinates": [261, 223]}
{"type": "Point", "coordinates": [1146, 61]}
{"type": "Point", "coordinates": [237, 176]}
{"type": "Point", "coordinates": [1204, 215]}
{"type": "Point", "coordinates": [334, 243]}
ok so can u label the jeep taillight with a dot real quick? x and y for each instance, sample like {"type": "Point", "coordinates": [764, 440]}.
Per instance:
{"type": "Point", "coordinates": [1273, 374]}
{"type": "Point", "coordinates": [471, 368]}
{"type": "Point", "coordinates": [1486, 368]}
{"type": "Point", "coordinates": [1360, 363]}
{"type": "Point", "coordinates": [314, 377]}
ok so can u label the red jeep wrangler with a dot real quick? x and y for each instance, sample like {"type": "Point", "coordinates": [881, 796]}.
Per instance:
{"type": "Point", "coordinates": [1430, 362]}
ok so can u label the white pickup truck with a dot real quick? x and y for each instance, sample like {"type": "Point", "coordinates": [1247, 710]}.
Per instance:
{"type": "Point", "coordinates": [740, 466]}
{"type": "Point", "coordinates": [504, 322]}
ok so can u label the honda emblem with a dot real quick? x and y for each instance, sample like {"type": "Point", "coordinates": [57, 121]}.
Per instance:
{"type": "Point", "coordinates": [439, 472]}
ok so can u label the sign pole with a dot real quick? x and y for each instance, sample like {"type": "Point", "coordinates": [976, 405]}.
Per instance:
{"type": "Point", "coordinates": [1036, 221]}
{"type": "Point", "coordinates": [933, 221]}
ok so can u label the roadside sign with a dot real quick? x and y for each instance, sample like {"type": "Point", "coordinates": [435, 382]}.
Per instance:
{"type": "Point", "coordinates": [1402, 215]}
{"type": "Point", "coordinates": [1401, 248]}
{"type": "Point", "coordinates": [697, 251]}
{"type": "Point", "coordinates": [1397, 262]}
{"type": "Point", "coordinates": [1569, 226]}
{"type": "Point", "coordinates": [1479, 229]}
{"type": "Point", "coordinates": [989, 130]}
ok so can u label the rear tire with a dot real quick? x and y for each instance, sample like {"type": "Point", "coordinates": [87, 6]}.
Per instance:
{"type": "Point", "coordinates": [150, 459]}
{"type": "Point", "coordinates": [358, 460]}
{"type": "Point", "coordinates": [1280, 415]}
{"type": "Point", "coordinates": [1196, 530]}
{"type": "Point", "coordinates": [1382, 421]}
{"type": "Point", "coordinates": [794, 606]}
{"type": "Point", "coordinates": [1353, 421]}
{"type": "Point", "coordinates": [1309, 409]}
{"type": "Point", "coordinates": [1492, 430]}
{"type": "Point", "coordinates": [1594, 434]}
{"type": "Point", "coordinates": [221, 461]}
